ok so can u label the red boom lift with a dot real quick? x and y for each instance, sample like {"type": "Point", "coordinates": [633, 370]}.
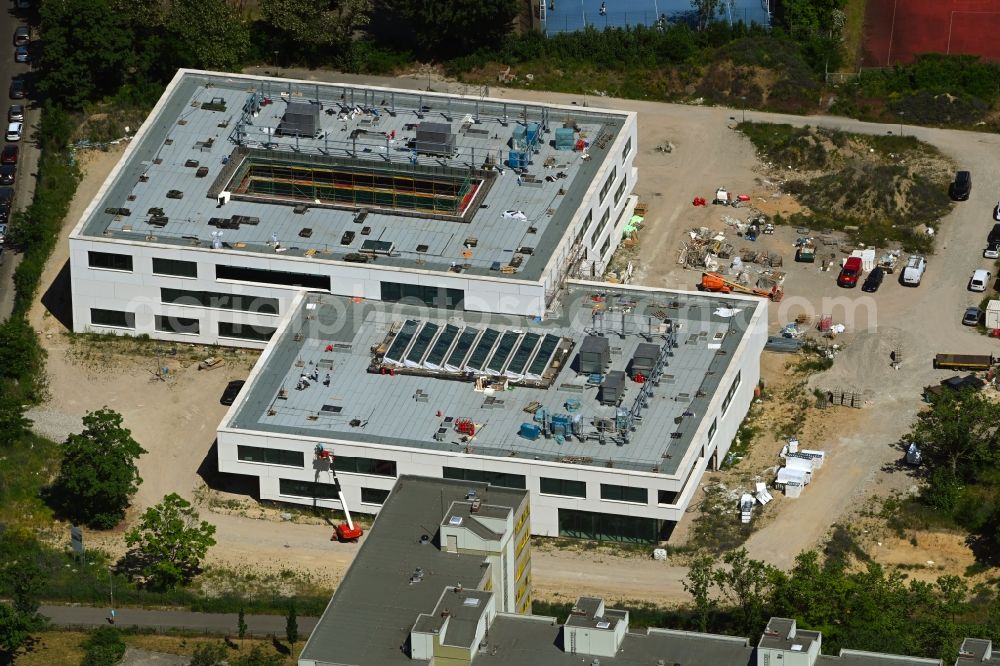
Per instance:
{"type": "Point", "coordinates": [344, 532]}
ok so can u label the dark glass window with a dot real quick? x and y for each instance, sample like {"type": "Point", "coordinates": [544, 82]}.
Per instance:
{"type": "Point", "coordinates": [394, 292]}
{"type": "Point", "coordinates": [110, 261]}
{"type": "Point", "coordinates": [270, 456]}
{"type": "Point", "coordinates": [564, 487]}
{"type": "Point", "coordinates": [493, 478]}
{"type": "Point", "coordinates": [175, 267]}
{"type": "Point", "coordinates": [177, 325]}
{"type": "Point", "coordinates": [627, 149]}
{"type": "Point", "coordinates": [307, 489]}
{"type": "Point", "coordinates": [242, 274]}
{"type": "Point", "coordinates": [374, 495]}
{"type": "Point", "coordinates": [620, 191]}
{"type": "Point", "coordinates": [115, 318]}
{"type": "Point", "coordinates": [220, 301]}
{"type": "Point", "coordinates": [228, 329]}
{"type": "Point", "coordinates": [608, 183]}
{"type": "Point", "coordinates": [732, 392]}
{"type": "Point", "coordinates": [624, 493]}
{"type": "Point", "coordinates": [365, 466]}
{"type": "Point", "coordinates": [610, 527]}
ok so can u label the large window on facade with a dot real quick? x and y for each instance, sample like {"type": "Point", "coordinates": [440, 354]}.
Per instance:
{"type": "Point", "coordinates": [220, 301]}
{"type": "Point", "coordinates": [565, 487]}
{"type": "Point", "coordinates": [583, 227]}
{"type": "Point", "coordinates": [115, 318]}
{"type": "Point", "coordinates": [371, 466]}
{"type": "Point", "coordinates": [438, 297]}
{"type": "Point", "coordinates": [609, 527]}
{"type": "Point", "coordinates": [110, 261]}
{"type": "Point", "coordinates": [259, 454]}
{"type": "Point", "coordinates": [228, 329]}
{"type": "Point", "coordinates": [620, 191]}
{"type": "Point", "coordinates": [610, 491]}
{"type": "Point", "coordinates": [601, 226]}
{"type": "Point", "coordinates": [374, 495]}
{"type": "Point", "coordinates": [175, 267]}
{"type": "Point", "coordinates": [492, 478]}
{"type": "Point", "coordinates": [712, 429]}
{"type": "Point", "coordinates": [608, 183]}
{"type": "Point", "coordinates": [166, 324]}
{"type": "Point", "coordinates": [732, 392]}
{"type": "Point", "coordinates": [241, 274]}
{"type": "Point", "coordinates": [308, 489]}
{"type": "Point", "coordinates": [605, 246]}
{"type": "Point", "coordinates": [627, 149]}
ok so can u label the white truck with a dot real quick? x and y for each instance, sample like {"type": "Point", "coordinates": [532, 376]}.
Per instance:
{"type": "Point", "coordinates": [914, 271]}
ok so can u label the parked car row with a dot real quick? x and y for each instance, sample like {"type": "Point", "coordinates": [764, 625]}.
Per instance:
{"type": "Point", "coordinates": [981, 279]}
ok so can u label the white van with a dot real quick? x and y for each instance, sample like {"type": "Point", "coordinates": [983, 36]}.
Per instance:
{"type": "Point", "coordinates": [914, 270]}
{"type": "Point", "coordinates": [980, 280]}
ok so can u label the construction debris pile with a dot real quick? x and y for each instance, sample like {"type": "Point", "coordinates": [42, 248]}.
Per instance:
{"type": "Point", "coordinates": [798, 468]}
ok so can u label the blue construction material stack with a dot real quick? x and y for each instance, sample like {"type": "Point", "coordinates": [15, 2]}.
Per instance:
{"type": "Point", "coordinates": [562, 424]}
{"type": "Point", "coordinates": [532, 133]}
{"type": "Point", "coordinates": [517, 159]}
{"type": "Point", "coordinates": [565, 138]}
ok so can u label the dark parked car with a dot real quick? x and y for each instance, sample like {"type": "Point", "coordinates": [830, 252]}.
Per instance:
{"type": "Point", "coordinates": [232, 390]}
{"type": "Point", "coordinates": [17, 88]}
{"type": "Point", "coordinates": [15, 113]}
{"type": "Point", "coordinates": [994, 235]}
{"type": "Point", "coordinates": [7, 174]}
{"type": "Point", "coordinates": [6, 198]}
{"type": "Point", "coordinates": [21, 54]}
{"type": "Point", "coordinates": [874, 280]}
{"type": "Point", "coordinates": [962, 187]}
{"type": "Point", "coordinates": [22, 35]}
{"type": "Point", "coordinates": [972, 316]}
{"type": "Point", "coordinates": [9, 154]}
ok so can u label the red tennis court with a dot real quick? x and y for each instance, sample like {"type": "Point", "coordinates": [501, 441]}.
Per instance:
{"type": "Point", "coordinates": [897, 30]}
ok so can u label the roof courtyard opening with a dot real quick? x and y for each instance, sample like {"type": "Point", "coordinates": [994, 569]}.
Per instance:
{"type": "Point", "coordinates": [390, 187]}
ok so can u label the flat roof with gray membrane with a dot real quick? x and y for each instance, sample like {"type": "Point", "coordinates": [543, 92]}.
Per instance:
{"type": "Point", "coordinates": [369, 618]}
{"type": "Point", "coordinates": [415, 407]}
{"type": "Point", "coordinates": [183, 135]}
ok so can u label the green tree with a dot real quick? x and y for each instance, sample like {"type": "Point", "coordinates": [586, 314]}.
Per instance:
{"type": "Point", "coordinates": [698, 583]}
{"type": "Point", "coordinates": [209, 654]}
{"type": "Point", "coordinates": [706, 10]}
{"type": "Point", "coordinates": [13, 423]}
{"type": "Point", "coordinates": [241, 624]}
{"type": "Point", "coordinates": [98, 473]}
{"type": "Point", "coordinates": [28, 581]}
{"type": "Point", "coordinates": [20, 355]}
{"type": "Point", "coordinates": [168, 545]}
{"type": "Point", "coordinates": [208, 34]}
{"type": "Point", "coordinates": [15, 631]}
{"type": "Point", "coordinates": [291, 626]}
{"type": "Point", "coordinates": [258, 656]}
{"type": "Point", "coordinates": [103, 647]}
{"type": "Point", "coordinates": [311, 24]}
{"type": "Point", "coordinates": [442, 29]}
{"type": "Point", "coordinates": [86, 50]}
{"type": "Point", "coordinates": [746, 583]}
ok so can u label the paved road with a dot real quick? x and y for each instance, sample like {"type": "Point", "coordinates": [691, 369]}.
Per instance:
{"type": "Point", "coordinates": [27, 166]}
{"type": "Point", "coordinates": [214, 623]}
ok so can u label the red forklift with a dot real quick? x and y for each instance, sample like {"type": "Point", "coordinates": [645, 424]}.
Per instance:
{"type": "Point", "coordinates": [345, 532]}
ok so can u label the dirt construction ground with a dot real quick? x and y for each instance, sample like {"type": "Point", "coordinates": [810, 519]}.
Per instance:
{"type": "Point", "coordinates": [175, 420]}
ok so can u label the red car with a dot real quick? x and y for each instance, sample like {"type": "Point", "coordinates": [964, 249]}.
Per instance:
{"type": "Point", "coordinates": [9, 154]}
{"type": "Point", "coordinates": [850, 273]}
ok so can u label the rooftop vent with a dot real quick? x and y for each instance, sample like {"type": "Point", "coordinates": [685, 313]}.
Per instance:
{"type": "Point", "coordinates": [455, 521]}
{"type": "Point", "coordinates": [435, 139]}
{"type": "Point", "coordinates": [300, 119]}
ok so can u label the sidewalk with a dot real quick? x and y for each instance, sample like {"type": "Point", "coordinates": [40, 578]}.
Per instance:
{"type": "Point", "coordinates": [164, 620]}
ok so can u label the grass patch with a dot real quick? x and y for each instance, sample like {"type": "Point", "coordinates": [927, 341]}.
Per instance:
{"type": "Point", "coordinates": [717, 528]}
{"type": "Point", "coordinates": [883, 189]}
{"type": "Point", "coordinates": [25, 467]}
{"type": "Point", "coordinates": [853, 33]}
{"type": "Point", "coordinates": [102, 349]}
{"type": "Point", "coordinates": [745, 435]}
{"type": "Point", "coordinates": [814, 359]}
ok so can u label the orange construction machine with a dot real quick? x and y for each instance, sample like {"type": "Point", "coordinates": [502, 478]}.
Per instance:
{"type": "Point", "coordinates": [345, 531]}
{"type": "Point", "coordinates": [717, 282]}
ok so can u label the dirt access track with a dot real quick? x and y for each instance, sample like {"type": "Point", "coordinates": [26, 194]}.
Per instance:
{"type": "Point", "coordinates": [176, 420]}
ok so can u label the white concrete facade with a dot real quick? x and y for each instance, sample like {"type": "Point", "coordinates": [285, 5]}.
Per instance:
{"type": "Point", "coordinates": [712, 441]}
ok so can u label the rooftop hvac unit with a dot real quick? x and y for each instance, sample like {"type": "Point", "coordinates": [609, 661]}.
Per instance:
{"type": "Point", "coordinates": [613, 387]}
{"type": "Point", "coordinates": [595, 354]}
{"type": "Point", "coordinates": [300, 119]}
{"type": "Point", "coordinates": [565, 138]}
{"type": "Point", "coordinates": [435, 139]}
{"type": "Point", "coordinates": [644, 359]}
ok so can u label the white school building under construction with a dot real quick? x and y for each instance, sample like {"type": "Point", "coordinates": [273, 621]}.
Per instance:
{"type": "Point", "coordinates": [419, 270]}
